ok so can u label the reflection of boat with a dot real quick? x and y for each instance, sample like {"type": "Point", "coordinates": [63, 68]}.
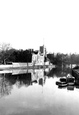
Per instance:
{"type": "Point", "coordinates": [68, 82]}
{"type": "Point", "coordinates": [61, 84]}
{"type": "Point", "coordinates": [70, 87]}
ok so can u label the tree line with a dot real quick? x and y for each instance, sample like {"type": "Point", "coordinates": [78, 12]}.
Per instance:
{"type": "Point", "coordinates": [9, 54]}
{"type": "Point", "coordinates": [60, 58]}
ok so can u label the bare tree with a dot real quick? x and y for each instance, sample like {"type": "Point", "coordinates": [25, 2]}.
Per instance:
{"type": "Point", "coordinates": [4, 52]}
{"type": "Point", "coordinates": [5, 47]}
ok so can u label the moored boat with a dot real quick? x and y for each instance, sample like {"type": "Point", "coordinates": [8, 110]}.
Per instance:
{"type": "Point", "coordinates": [63, 79]}
{"type": "Point", "coordinates": [61, 84]}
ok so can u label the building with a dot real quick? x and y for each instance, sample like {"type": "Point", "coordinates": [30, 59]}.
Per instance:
{"type": "Point", "coordinates": [38, 59]}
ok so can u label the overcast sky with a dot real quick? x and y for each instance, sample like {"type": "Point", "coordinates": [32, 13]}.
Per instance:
{"type": "Point", "coordinates": [30, 23]}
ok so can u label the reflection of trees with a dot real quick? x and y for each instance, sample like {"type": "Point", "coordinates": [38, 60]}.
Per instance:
{"type": "Point", "coordinates": [69, 83]}
{"type": "Point", "coordinates": [19, 80]}
{"type": "Point", "coordinates": [5, 87]}
{"type": "Point", "coordinates": [8, 80]}
{"type": "Point", "coordinates": [59, 72]}
{"type": "Point", "coordinates": [24, 79]}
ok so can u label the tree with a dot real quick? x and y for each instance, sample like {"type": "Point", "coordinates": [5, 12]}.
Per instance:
{"type": "Point", "coordinates": [4, 52]}
{"type": "Point", "coordinates": [5, 47]}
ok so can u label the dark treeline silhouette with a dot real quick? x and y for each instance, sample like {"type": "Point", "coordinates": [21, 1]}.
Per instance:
{"type": "Point", "coordinates": [60, 58]}
{"type": "Point", "coordinates": [8, 54]}
{"type": "Point", "coordinates": [21, 56]}
{"type": "Point", "coordinates": [13, 55]}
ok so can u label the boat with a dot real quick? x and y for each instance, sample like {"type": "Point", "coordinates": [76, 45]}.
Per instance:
{"type": "Point", "coordinates": [63, 79]}
{"type": "Point", "coordinates": [71, 83]}
{"type": "Point", "coordinates": [70, 78]}
{"type": "Point", "coordinates": [61, 84]}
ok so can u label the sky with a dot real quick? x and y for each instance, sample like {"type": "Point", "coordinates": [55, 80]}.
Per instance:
{"type": "Point", "coordinates": [31, 23]}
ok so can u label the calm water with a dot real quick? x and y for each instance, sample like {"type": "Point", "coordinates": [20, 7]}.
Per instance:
{"type": "Point", "coordinates": [34, 92]}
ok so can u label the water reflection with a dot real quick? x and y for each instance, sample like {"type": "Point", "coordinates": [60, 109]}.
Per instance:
{"type": "Point", "coordinates": [35, 92]}
{"type": "Point", "coordinates": [59, 72]}
{"type": "Point", "coordinates": [21, 78]}
{"type": "Point", "coordinates": [5, 86]}
{"type": "Point", "coordinates": [26, 78]}
{"type": "Point", "coordinates": [68, 82]}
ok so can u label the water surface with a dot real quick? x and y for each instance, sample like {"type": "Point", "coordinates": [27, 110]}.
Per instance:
{"type": "Point", "coordinates": [35, 92]}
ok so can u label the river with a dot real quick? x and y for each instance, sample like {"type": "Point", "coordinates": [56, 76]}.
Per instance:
{"type": "Point", "coordinates": [34, 92]}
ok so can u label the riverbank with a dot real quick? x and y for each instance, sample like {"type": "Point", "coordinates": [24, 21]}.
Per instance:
{"type": "Point", "coordinates": [23, 65]}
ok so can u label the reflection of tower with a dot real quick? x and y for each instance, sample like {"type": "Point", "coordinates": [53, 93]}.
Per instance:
{"type": "Point", "coordinates": [41, 81]}
{"type": "Point", "coordinates": [38, 75]}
